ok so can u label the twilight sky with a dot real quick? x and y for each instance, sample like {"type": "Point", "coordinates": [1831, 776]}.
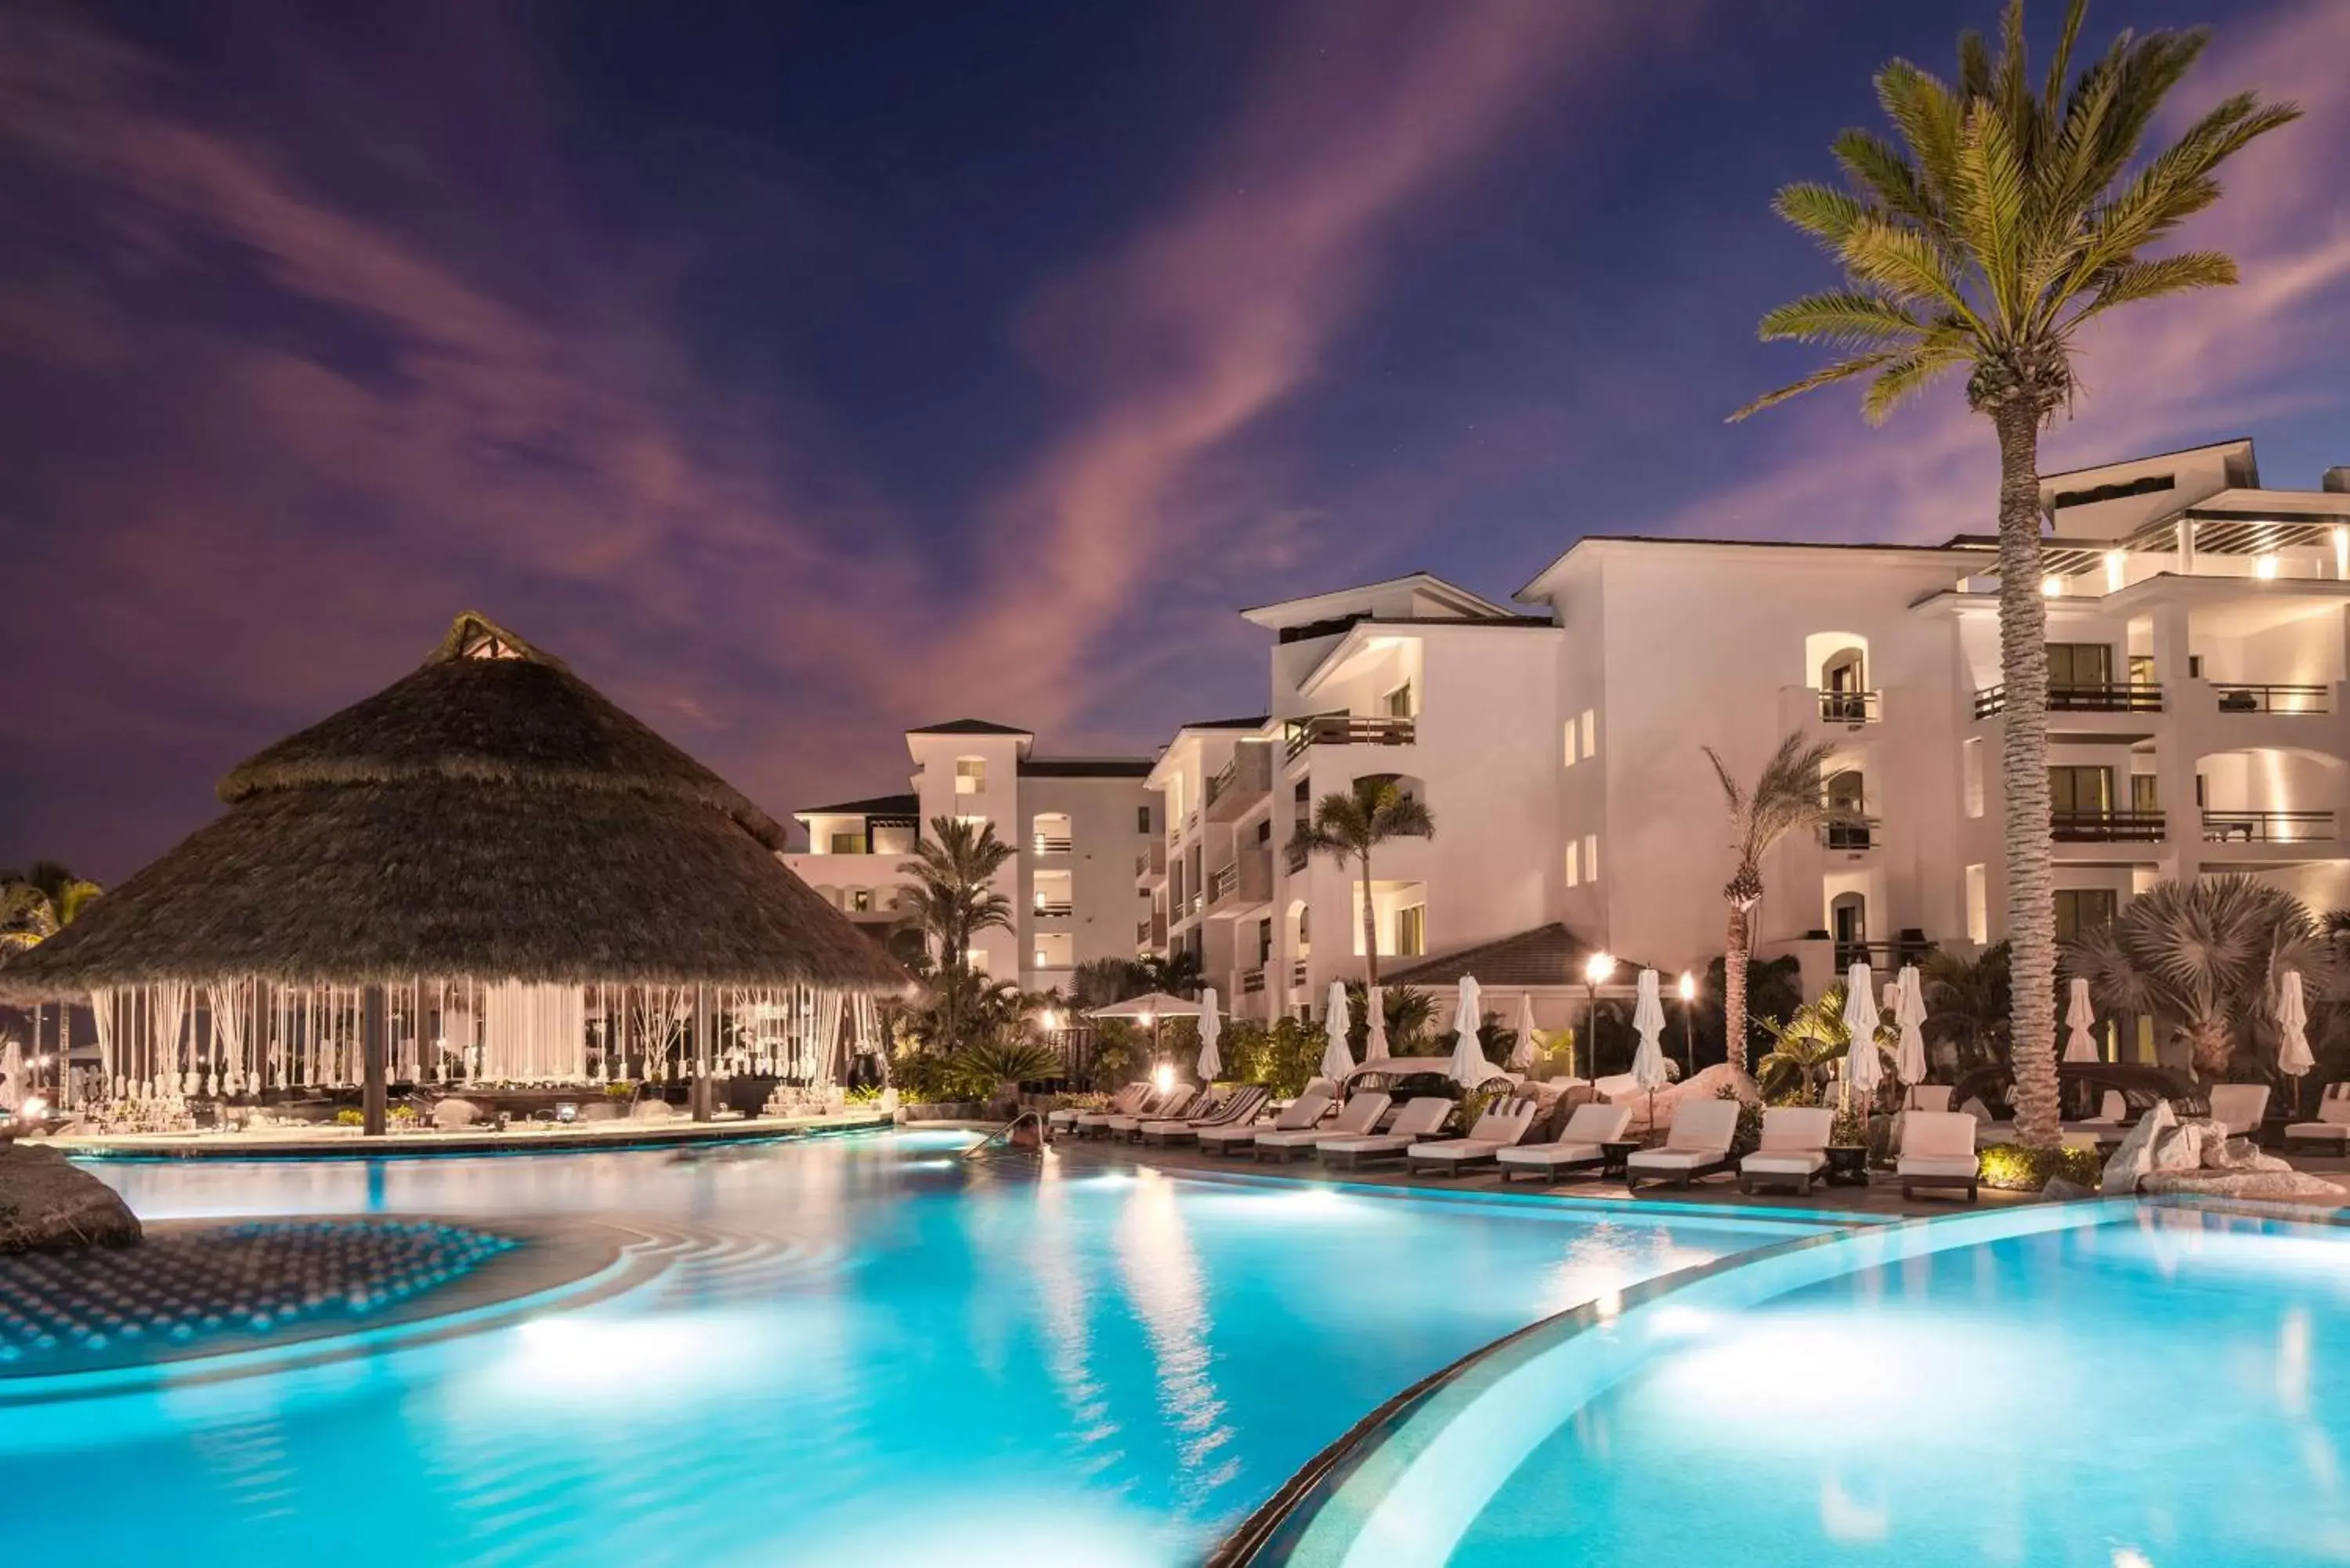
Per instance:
{"type": "Point", "coordinates": [800, 372]}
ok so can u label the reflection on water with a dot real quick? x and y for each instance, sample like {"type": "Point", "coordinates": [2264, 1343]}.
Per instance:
{"type": "Point", "coordinates": [859, 1349]}
{"type": "Point", "coordinates": [2170, 1390]}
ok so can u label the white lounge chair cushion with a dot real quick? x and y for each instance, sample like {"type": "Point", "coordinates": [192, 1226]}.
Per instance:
{"type": "Point", "coordinates": [1594, 1123]}
{"type": "Point", "coordinates": [1702, 1127]}
{"type": "Point", "coordinates": [1549, 1154]}
{"type": "Point", "coordinates": [1676, 1159]}
{"type": "Point", "coordinates": [1164, 1129]}
{"type": "Point", "coordinates": [1936, 1164]}
{"type": "Point", "coordinates": [1379, 1143]}
{"type": "Point", "coordinates": [1360, 1115]}
{"type": "Point", "coordinates": [1452, 1150]}
{"type": "Point", "coordinates": [2314, 1130]}
{"type": "Point", "coordinates": [1937, 1134]}
{"type": "Point", "coordinates": [1783, 1162]}
{"type": "Point", "coordinates": [1418, 1121]}
{"type": "Point", "coordinates": [2240, 1107]}
{"type": "Point", "coordinates": [1235, 1134]}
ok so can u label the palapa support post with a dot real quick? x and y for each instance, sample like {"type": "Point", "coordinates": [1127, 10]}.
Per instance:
{"type": "Point", "coordinates": [701, 1024]}
{"type": "Point", "coordinates": [374, 1028]}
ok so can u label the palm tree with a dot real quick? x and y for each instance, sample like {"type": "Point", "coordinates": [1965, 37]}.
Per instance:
{"type": "Point", "coordinates": [36, 907]}
{"type": "Point", "coordinates": [1349, 824]}
{"type": "Point", "coordinates": [2003, 221]}
{"type": "Point", "coordinates": [2203, 957]}
{"type": "Point", "coordinates": [1968, 1003]}
{"type": "Point", "coordinates": [1784, 796]}
{"type": "Point", "coordinates": [1176, 973]}
{"type": "Point", "coordinates": [954, 900]}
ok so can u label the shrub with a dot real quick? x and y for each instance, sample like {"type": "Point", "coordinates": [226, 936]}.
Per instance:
{"type": "Point", "coordinates": [2012, 1167]}
{"type": "Point", "coordinates": [1749, 1136]}
{"type": "Point", "coordinates": [861, 1094]}
{"type": "Point", "coordinates": [621, 1090]}
{"type": "Point", "coordinates": [923, 1078]}
{"type": "Point", "coordinates": [977, 1072]}
{"type": "Point", "coordinates": [350, 1118]}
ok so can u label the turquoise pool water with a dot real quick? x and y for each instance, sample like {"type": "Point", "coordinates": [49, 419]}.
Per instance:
{"type": "Point", "coordinates": [2119, 1386]}
{"type": "Point", "coordinates": [857, 1351]}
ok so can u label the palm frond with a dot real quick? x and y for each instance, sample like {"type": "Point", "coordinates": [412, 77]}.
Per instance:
{"type": "Point", "coordinates": [2138, 280]}
{"type": "Point", "coordinates": [1846, 317]}
{"type": "Point", "coordinates": [1843, 370]}
{"type": "Point", "coordinates": [1908, 375]}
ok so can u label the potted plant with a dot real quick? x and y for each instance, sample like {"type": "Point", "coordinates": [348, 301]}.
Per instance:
{"type": "Point", "coordinates": [1848, 1148]}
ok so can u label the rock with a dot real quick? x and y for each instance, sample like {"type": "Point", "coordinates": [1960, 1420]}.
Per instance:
{"type": "Point", "coordinates": [2240, 1154]}
{"type": "Point", "coordinates": [1707, 1085]}
{"type": "Point", "coordinates": [2178, 1149]}
{"type": "Point", "coordinates": [456, 1113]}
{"type": "Point", "coordinates": [2135, 1157]}
{"type": "Point", "coordinates": [2285, 1183]}
{"type": "Point", "coordinates": [2060, 1190]}
{"type": "Point", "coordinates": [47, 1204]}
{"type": "Point", "coordinates": [654, 1111]}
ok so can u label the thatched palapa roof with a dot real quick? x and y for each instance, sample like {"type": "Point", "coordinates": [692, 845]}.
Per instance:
{"type": "Point", "coordinates": [489, 816]}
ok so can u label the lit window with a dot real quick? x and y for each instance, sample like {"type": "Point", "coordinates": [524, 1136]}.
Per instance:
{"type": "Point", "coordinates": [971, 775]}
{"type": "Point", "coordinates": [1570, 742]}
{"type": "Point", "coordinates": [1591, 858]}
{"type": "Point", "coordinates": [1574, 863]}
{"type": "Point", "coordinates": [1971, 755]}
{"type": "Point", "coordinates": [2264, 565]}
{"type": "Point", "coordinates": [1978, 905]}
{"type": "Point", "coordinates": [1398, 702]}
{"type": "Point", "coordinates": [1590, 734]}
{"type": "Point", "coordinates": [846, 844]}
{"type": "Point", "coordinates": [860, 900]}
{"type": "Point", "coordinates": [1411, 930]}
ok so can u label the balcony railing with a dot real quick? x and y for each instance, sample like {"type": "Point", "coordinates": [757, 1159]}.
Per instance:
{"type": "Point", "coordinates": [2268, 826]}
{"type": "Point", "coordinates": [2071, 698]}
{"type": "Point", "coordinates": [1151, 862]}
{"type": "Point", "coordinates": [1294, 856]}
{"type": "Point", "coordinates": [1221, 884]}
{"type": "Point", "coordinates": [1053, 908]}
{"type": "Point", "coordinates": [1885, 958]}
{"type": "Point", "coordinates": [1053, 843]}
{"type": "Point", "coordinates": [1142, 932]}
{"type": "Point", "coordinates": [1348, 730]}
{"type": "Point", "coordinates": [1852, 833]}
{"type": "Point", "coordinates": [1297, 974]}
{"type": "Point", "coordinates": [2106, 827]}
{"type": "Point", "coordinates": [2236, 699]}
{"type": "Point", "coordinates": [1252, 979]}
{"type": "Point", "coordinates": [1851, 707]}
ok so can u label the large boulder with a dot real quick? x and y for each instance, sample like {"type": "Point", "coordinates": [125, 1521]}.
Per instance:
{"type": "Point", "coordinates": [1707, 1085]}
{"type": "Point", "coordinates": [2135, 1157]}
{"type": "Point", "coordinates": [2287, 1183]}
{"type": "Point", "coordinates": [47, 1204]}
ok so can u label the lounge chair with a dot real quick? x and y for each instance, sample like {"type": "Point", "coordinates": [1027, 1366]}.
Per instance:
{"type": "Point", "coordinates": [1183, 1104]}
{"type": "Point", "coordinates": [1238, 1108]}
{"type": "Point", "coordinates": [1697, 1143]}
{"type": "Point", "coordinates": [1938, 1150]}
{"type": "Point", "coordinates": [1576, 1148]}
{"type": "Point", "coordinates": [1930, 1096]}
{"type": "Point", "coordinates": [1299, 1114]}
{"type": "Point", "coordinates": [2239, 1108]}
{"type": "Point", "coordinates": [1420, 1118]}
{"type": "Point", "coordinates": [1128, 1099]}
{"type": "Point", "coordinates": [1795, 1148]}
{"type": "Point", "coordinates": [2332, 1128]}
{"type": "Point", "coordinates": [1356, 1118]}
{"type": "Point", "coordinates": [1505, 1122]}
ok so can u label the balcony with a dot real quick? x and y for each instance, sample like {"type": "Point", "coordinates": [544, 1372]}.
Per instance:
{"type": "Point", "coordinates": [1052, 908]}
{"type": "Point", "coordinates": [1298, 975]}
{"type": "Point", "coordinates": [2106, 698]}
{"type": "Point", "coordinates": [2106, 827]}
{"type": "Point", "coordinates": [1294, 856]}
{"type": "Point", "coordinates": [1882, 958]}
{"type": "Point", "coordinates": [1150, 865]}
{"type": "Point", "coordinates": [1244, 781]}
{"type": "Point", "coordinates": [1246, 880]}
{"type": "Point", "coordinates": [1051, 843]}
{"type": "Point", "coordinates": [1222, 883]}
{"type": "Point", "coordinates": [1852, 833]}
{"type": "Point", "coordinates": [1851, 707]}
{"type": "Point", "coordinates": [1348, 730]}
{"type": "Point", "coordinates": [2273, 699]}
{"type": "Point", "coordinates": [2268, 826]}
{"type": "Point", "coordinates": [1251, 981]}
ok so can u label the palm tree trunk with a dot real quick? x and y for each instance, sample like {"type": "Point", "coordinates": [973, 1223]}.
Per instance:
{"type": "Point", "coordinates": [1370, 929]}
{"type": "Point", "coordinates": [1733, 989]}
{"type": "Point", "coordinates": [2024, 760]}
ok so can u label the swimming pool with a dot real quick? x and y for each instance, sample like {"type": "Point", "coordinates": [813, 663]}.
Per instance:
{"type": "Point", "coordinates": [2107, 1386]}
{"type": "Point", "coordinates": [854, 1350]}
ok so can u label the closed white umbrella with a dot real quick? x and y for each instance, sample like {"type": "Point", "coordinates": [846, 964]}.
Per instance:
{"type": "Point", "coordinates": [1337, 1060]}
{"type": "Point", "coordinates": [1648, 1069]}
{"type": "Point", "coordinates": [2293, 1056]}
{"type": "Point", "coordinates": [1522, 1055]}
{"type": "Point", "coordinates": [1469, 1067]}
{"type": "Point", "coordinates": [1375, 1003]}
{"type": "Point", "coordinates": [2080, 1045]}
{"type": "Point", "coordinates": [1910, 1013]}
{"type": "Point", "coordinates": [1863, 1068]}
{"type": "Point", "coordinates": [1212, 1029]}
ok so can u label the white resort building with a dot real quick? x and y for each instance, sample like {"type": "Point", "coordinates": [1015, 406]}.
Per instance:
{"type": "Point", "coordinates": [1074, 824]}
{"type": "Point", "coordinates": [2200, 644]}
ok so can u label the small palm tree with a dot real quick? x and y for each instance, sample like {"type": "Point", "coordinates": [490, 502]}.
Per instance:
{"type": "Point", "coordinates": [1784, 797]}
{"type": "Point", "coordinates": [36, 907]}
{"type": "Point", "coordinates": [1176, 973]}
{"type": "Point", "coordinates": [1968, 1003]}
{"type": "Point", "coordinates": [954, 898]}
{"type": "Point", "coordinates": [2006, 220]}
{"type": "Point", "coordinates": [2203, 957]}
{"type": "Point", "coordinates": [1347, 824]}
{"type": "Point", "coordinates": [1813, 1039]}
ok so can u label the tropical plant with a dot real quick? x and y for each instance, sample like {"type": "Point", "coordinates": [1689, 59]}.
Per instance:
{"type": "Point", "coordinates": [1284, 1055]}
{"type": "Point", "coordinates": [953, 898]}
{"type": "Point", "coordinates": [1813, 1039]}
{"type": "Point", "coordinates": [2005, 221]}
{"type": "Point", "coordinates": [1774, 989]}
{"type": "Point", "coordinates": [2202, 959]}
{"type": "Point", "coordinates": [37, 905]}
{"type": "Point", "coordinates": [1968, 1003]}
{"type": "Point", "coordinates": [994, 1070]}
{"type": "Point", "coordinates": [1176, 973]}
{"type": "Point", "coordinates": [1784, 796]}
{"type": "Point", "coordinates": [1411, 1013]}
{"type": "Point", "coordinates": [1349, 824]}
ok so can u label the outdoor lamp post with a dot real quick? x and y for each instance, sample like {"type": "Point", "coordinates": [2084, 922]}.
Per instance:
{"type": "Point", "coordinates": [1596, 972]}
{"type": "Point", "coordinates": [1688, 1020]}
